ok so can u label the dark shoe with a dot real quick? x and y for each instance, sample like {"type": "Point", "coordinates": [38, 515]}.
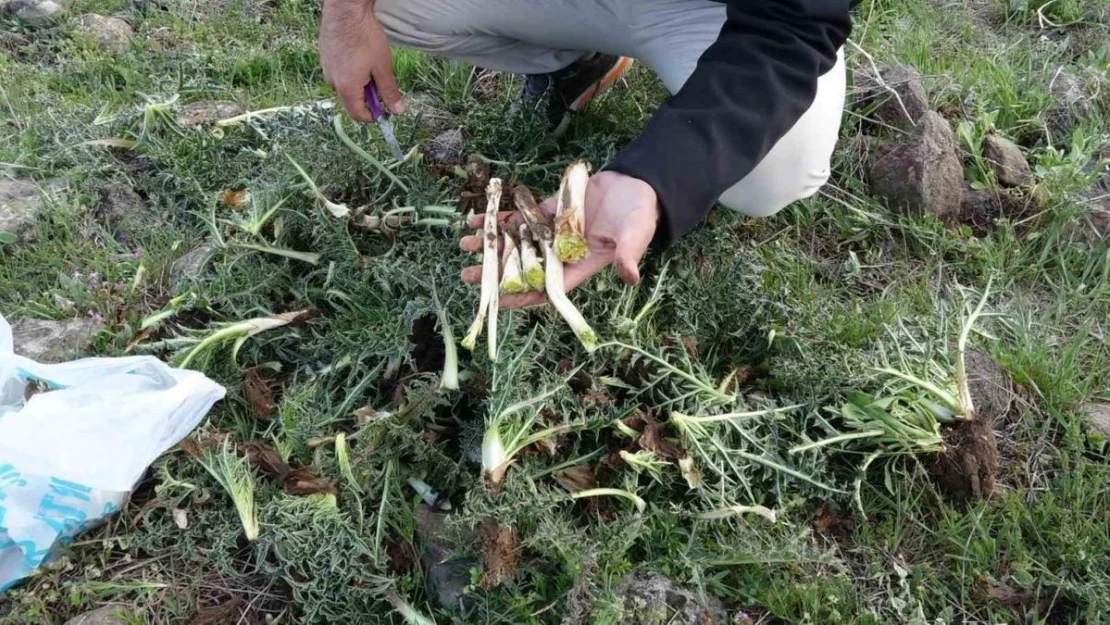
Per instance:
{"type": "Point", "coordinates": [573, 87]}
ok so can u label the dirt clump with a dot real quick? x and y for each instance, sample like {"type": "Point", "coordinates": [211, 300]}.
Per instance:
{"type": "Point", "coordinates": [968, 468]}
{"type": "Point", "coordinates": [923, 174]}
{"type": "Point", "coordinates": [498, 552]}
{"type": "Point", "coordinates": [649, 598]}
{"type": "Point", "coordinates": [979, 209]}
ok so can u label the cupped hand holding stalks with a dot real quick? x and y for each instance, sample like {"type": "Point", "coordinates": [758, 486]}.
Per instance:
{"type": "Point", "coordinates": [539, 253]}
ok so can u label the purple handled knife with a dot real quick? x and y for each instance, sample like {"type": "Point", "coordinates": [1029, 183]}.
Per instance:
{"type": "Point", "coordinates": [381, 118]}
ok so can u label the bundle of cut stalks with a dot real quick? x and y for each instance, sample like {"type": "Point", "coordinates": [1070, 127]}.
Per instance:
{"type": "Point", "coordinates": [533, 254]}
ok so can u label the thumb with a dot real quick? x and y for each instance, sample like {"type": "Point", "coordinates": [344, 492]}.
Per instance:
{"type": "Point", "coordinates": [389, 92]}
{"type": "Point", "coordinates": [631, 247]}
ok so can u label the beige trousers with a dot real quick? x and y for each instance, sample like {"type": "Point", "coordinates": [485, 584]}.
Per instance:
{"type": "Point", "coordinates": [540, 36]}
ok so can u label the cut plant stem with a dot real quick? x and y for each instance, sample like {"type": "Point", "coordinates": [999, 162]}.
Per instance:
{"type": "Point", "coordinates": [450, 378]}
{"type": "Point", "coordinates": [488, 298]}
{"type": "Point", "coordinates": [570, 214]}
{"type": "Point", "coordinates": [736, 510]}
{"type": "Point", "coordinates": [512, 275]}
{"type": "Point", "coordinates": [538, 223]}
{"type": "Point", "coordinates": [635, 499]}
{"type": "Point", "coordinates": [556, 292]}
{"type": "Point", "coordinates": [530, 261]}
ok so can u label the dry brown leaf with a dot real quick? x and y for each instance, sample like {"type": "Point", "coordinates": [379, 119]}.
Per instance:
{"type": "Point", "coordinates": [577, 478]}
{"type": "Point", "coordinates": [652, 440]}
{"type": "Point", "coordinates": [600, 398]}
{"type": "Point", "coordinates": [366, 414]}
{"type": "Point", "coordinates": [1012, 597]}
{"type": "Point", "coordinates": [498, 552]}
{"type": "Point", "coordinates": [139, 338]}
{"type": "Point", "coordinates": [266, 459]}
{"type": "Point", "coordinates": [303, 481]}
{"type": "Point", "coordinates": [401, 555]}
{"type": "Point", "coordinates": [190, 446]}
{"type": "Point", "coordinates": [259, 395]}
{"type": "Point", "coordinates": [235, 199]}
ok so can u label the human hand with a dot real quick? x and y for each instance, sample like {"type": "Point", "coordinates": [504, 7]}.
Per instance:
{"type": "Point", "coordinates": [621, 216]}
{"type": "Point", "coordinates": [354, 50]}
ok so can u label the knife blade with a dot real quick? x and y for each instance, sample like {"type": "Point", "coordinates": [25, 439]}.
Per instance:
{"type": "Point", "coordinates": [381, 118]}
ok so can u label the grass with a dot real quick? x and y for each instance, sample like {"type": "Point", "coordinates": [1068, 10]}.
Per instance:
{"type": "Point", "coordinates": [796, 311]}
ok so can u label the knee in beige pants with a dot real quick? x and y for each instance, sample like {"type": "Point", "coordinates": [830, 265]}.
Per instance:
{"type": "Point", "coordinates": [668, 35]}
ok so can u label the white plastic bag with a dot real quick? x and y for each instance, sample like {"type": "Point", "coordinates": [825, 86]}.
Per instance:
{"type": "Point", "coordinates": [69, 456]}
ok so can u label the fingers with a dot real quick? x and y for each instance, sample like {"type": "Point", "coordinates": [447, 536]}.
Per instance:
{"type": "Point", "coordinates": [504, 218]}
{"type": "Point", "coordinates": [473, 275]}
{"type": "Point", "coordinates": [388, 91]}
{"type": "Point", "coordinates": [630, 248]}
{"type": "Point", "coordinates": [351, 94]}
{"type": "Point", "coordinates": [548, 206]}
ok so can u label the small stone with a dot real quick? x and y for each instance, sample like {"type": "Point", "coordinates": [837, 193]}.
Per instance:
{"type": "Point", "coordinates": [447, 147]}
{"type": "Point", "coordinates": [124, 213]}
{"type": "Point", "coordinates": [1098, 418]}
{"type": "Point", "coordinates": [39, 14]}
{"type": "Point", "coordinates": [447, 573]}
{"type": "Point", "coordinates": [190, 265]}
{"type": "Point", "coordinates": [1006, 160]}
{"type": "Point", "coordinates": [99, 616]}
{"type": "Point", "coordinates": [205, 112]}
{"type": "Point", "coordinates": [903, 80]}
{"type": "Point", "coordinates": [110, 33]}
{"type": "Point", "coordinates": [648, 598]}
{"type": "Point", "coordinates": [923, 174]}
{"type": "Point", "coordinates": [21, 202]}
{"type": "Point", "coordinates": [53, 341]}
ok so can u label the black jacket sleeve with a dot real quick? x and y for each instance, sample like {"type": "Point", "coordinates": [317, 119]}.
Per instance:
{"type": "Point", "coordinates": [749, 88]}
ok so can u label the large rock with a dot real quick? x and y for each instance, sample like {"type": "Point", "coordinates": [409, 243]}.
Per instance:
{"type": "Point", "coordinates": [1006, 160]}
{"type": "Point", "coordinates": [53, 341]}
{"type": "Point", "coordinates": [191, 264]}
{"type": "Point", "coordinates": [1098, 418]}
{"type": "Point", "coordinates": [1075, 97]}
{"type": "Point", "coordinates": [904, 80]}
{"type": "Point", "coordinates": [649, 598]}
{"type": "Point", "coordinates": [923, 174]}
{"type": "Point", "coordinates": [37, 14]}
{"type": "Point", "coordinates": [21, 201]}
{"type": "Point", "coordinates": [208, 111]}
{"type": "Point", "coordinates": [124, 213]}
{"type": "Point", "coordinates": [447, 147]}
{"type": "Point", "coordinates": [100, 616]}
{"type": "Point", "coordinates": [110, 33]}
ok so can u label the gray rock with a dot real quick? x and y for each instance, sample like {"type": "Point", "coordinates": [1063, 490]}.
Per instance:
{"type": "Point", "coordinates": [923, 174]}
{"type": "Point", "coordinates": [205, 112]}
{"type": "Point", "coordinates": [53, 341]}
{"type": "Point", "coordinates": [447, 147]}
{"type": "Point", "coordinates": [446, 570]}
{"type": "Point", "coordinates": [1075, 98]}
{"type": "Point", "coordinates": [110, 33]}
{"type": "Point", "coordinates": [648, 598]}
{"type": "Point", "coordinates": [99, 616]}
{"type": "Point", "coordinates": [191, 264]}
{"type": "Point", "coordinates": [38, 14]}
{"type": "Point", "coordinates": [1098, 418]}
{"type": "Point", "coordinates": [903, 80]}
{"type": "Point", "coordinates": [1007, 161]}
{"type": "Point", "coordinates": [21, 202]}
{"type": "Point", "coordinates": [124, 213]}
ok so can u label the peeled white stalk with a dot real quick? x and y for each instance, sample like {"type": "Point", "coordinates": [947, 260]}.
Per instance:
{"type": "Point", "coordinates": [570, 214]}
{"type": "Point", "coordinates": [556, 292]}
{"type": "Point", "coordinates": [530, 261]}
{"type": "Point", "coordinates": [488, 299]}
{"type": "Point", "coordinates": [512, 278]}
